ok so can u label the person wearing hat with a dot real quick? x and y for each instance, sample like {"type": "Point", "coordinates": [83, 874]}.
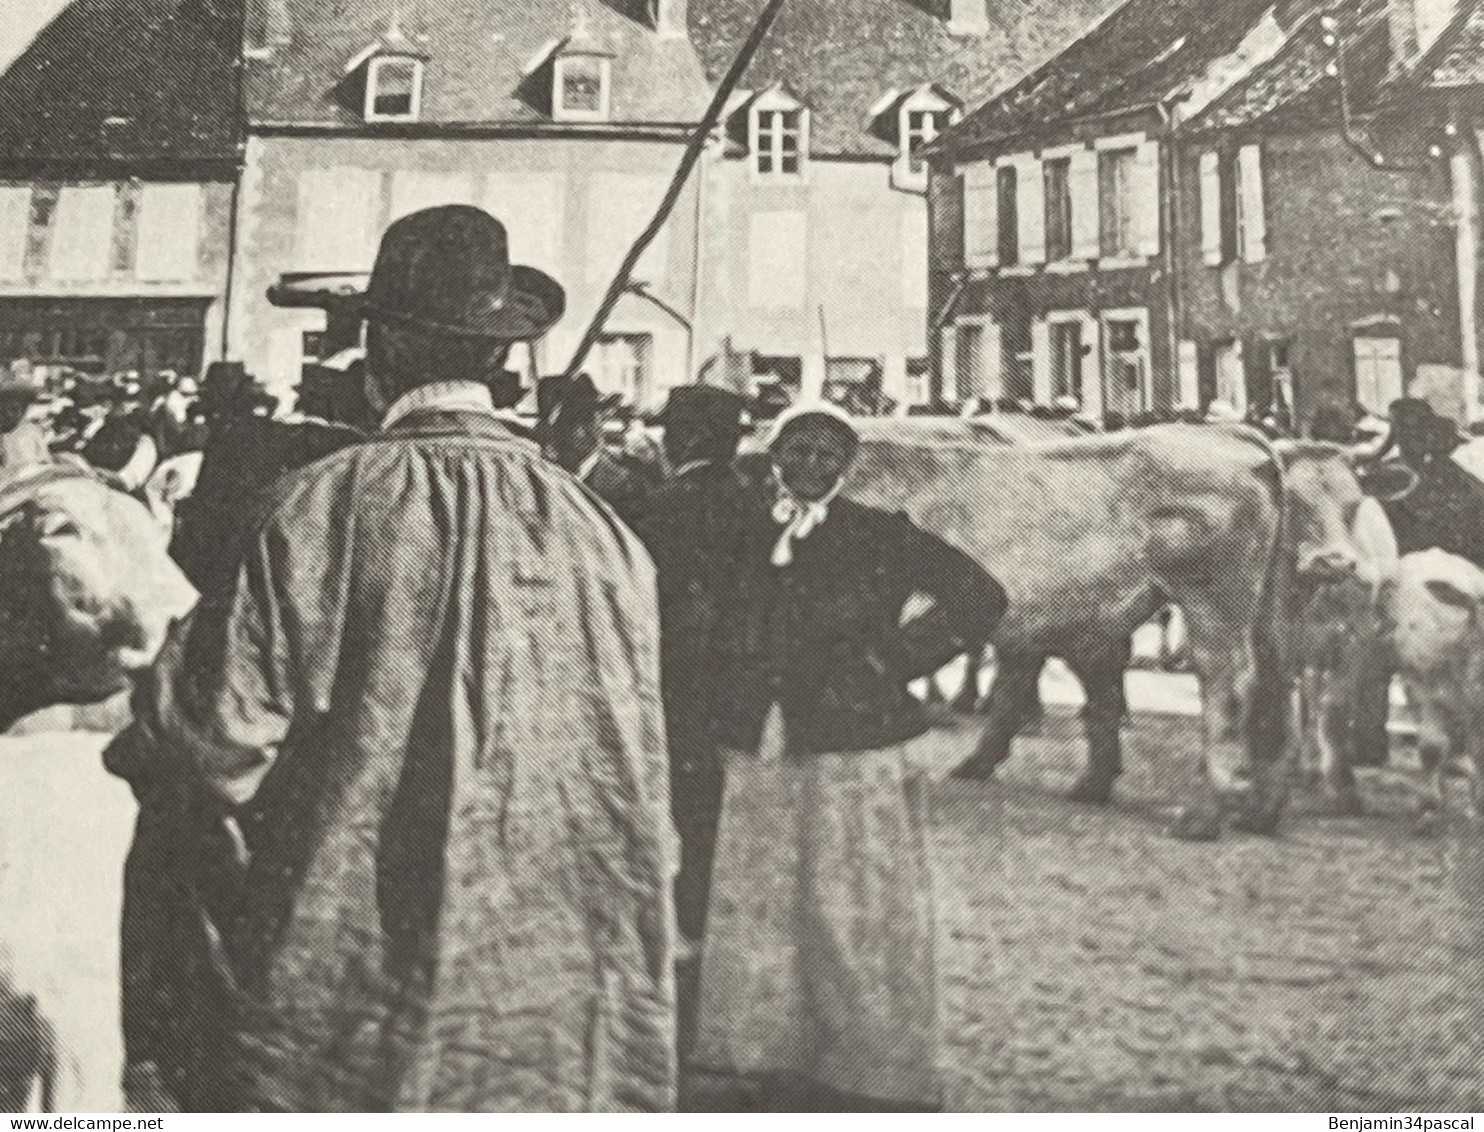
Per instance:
{"type": "Point", "coordinates": [690, 524]}
{"type": "Point", "coordinates": [422, 747]}
{"type": "Point", "coordinates": [571, 414]}
{"type": "Point", "coordinates": [818, 963]}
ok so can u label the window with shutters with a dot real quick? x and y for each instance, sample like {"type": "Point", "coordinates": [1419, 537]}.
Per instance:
{"type": "Point", "coordinates": [1221, 208]}
{"type": "Point", "coordinates": [779, 147]}
{"type": "Point", "coordinates": [393, 89]}
{"type": "Point", "coordinates": [1116, 203]}
{"type": "Point", "coordinates": [1058, 178]}
{"type": "Point", "coordinates": [1378, 372]}
{"type": "Point", "coordinates": [1008, 237]}
{"type": "Point", "coordinates": [1017, 382]}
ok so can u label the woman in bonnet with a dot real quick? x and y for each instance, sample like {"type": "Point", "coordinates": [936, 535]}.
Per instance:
{"type": "Point", "coordinates": [818, 963]}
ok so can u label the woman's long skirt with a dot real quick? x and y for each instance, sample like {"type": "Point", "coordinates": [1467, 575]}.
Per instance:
{"type": "Point", "coordinates": [820, 944]}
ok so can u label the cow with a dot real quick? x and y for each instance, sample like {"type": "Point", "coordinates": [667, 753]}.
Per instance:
{"type": "Point", "coordinates": [1440, 658]}
{"type": "Point", "coordinates": [1341, 648]}
{"type": "Point", "coordinates": [87, 594]}
{"type": "Point", "coordinates": [1091, 537]}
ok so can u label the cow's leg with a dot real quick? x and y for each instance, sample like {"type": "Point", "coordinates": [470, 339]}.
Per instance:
{"type": "Point", "coordinates": [1013, 700]}
{"type": "Point", "coordinates": [1432, 751]}
{"type": "Point", "coordinates": [1244, 707]}
{"type": "Point", "coordinates": [1333, 735]}
{"type": "Point", "coordinates": [1102, 681]}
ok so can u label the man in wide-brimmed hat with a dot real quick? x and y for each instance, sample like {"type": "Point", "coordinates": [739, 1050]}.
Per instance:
{"type": "Point", "coordinates": [450, 865]}
{"type": "Point", "coordinates": [571, 414]}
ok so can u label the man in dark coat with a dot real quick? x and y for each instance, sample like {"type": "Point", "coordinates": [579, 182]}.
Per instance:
{"type": "Point", "coordinates": [571, 414]}
{"type": "Point", "coordinates": [693, 529]}
{"type": "Point", "coordinates": [427, 718]}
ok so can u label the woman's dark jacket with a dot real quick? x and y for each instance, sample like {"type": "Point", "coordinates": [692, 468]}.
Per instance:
{"type": "Point", "coordinates": [823, 636]}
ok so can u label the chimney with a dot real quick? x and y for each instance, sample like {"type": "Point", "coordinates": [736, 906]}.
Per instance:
{"type": "Point", "coordinates": [669, 18]}
{"type": "Point", "coordinates": [267, 26]}
{"type": "Point", "coordinates": [1416, 26]}
{"type": "Point", "coordinates": [968, 17]}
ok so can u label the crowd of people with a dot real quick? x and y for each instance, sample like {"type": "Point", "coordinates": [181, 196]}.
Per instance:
{"type": "Point", "coordinates": [498, 770]}
{"type": "Point", "coordinates": [411, 775]}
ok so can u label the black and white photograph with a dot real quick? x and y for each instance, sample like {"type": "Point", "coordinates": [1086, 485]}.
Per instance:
{"type": "Point", "coordinates": [742, 556]}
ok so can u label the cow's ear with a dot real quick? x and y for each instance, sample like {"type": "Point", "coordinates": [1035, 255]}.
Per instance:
{"type": "Point", "coordinates": [1449, 594]}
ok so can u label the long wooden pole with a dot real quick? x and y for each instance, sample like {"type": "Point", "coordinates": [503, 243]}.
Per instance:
{"type": "Point", "coordinates": [693, 151]}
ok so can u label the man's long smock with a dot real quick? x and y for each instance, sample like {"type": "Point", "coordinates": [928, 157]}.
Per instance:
{"type": "Point", "coordinates": [432, 704]}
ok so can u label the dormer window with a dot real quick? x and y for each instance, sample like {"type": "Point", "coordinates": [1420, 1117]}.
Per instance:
{"type": "Point", "coordinates": [393, 89]}
{"type": "Point", "coordinates": [778, 136]}
{"type": "Point", "coordinates": [386, 78]}
{"type": "Point", "coordinates": [581, 87]}
{"type": "Point", "coordinates": [911, 120]}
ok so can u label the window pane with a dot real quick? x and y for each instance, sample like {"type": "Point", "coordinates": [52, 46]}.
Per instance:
{"type": "Point", "coordinates": [1008, 216]}
{"type": "Point", "coordinates": [1115, 194]}
{"type": "Point", "coordinates": [581, 85]}
{"type": "Point", "coordinates": [1058, 208]}
{"type": "Point", "coordinates": [394, 79]}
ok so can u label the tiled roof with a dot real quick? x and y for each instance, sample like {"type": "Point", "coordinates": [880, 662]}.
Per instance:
{"type": "Point", "coordinates": [841, 57]}
{"type": "Point", "coordinates": [123, 79]}
{"type": "Point", "coordinates": [1300, 72]}
{"type": "Point", "coordinates": [1459, 57]}
{"type": "Point", "coordinates": [478, 53]}
{"type": "Point", "coordinates": [1143, 52]}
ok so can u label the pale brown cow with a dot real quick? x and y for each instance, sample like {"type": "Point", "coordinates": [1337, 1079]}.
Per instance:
{"type": "Point", "coordinates": [87, 593]}
{"type": "Point", "coordinates": [1091, 537]}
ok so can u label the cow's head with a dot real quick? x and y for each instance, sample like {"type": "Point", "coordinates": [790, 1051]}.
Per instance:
{"type": "Point", "coordinates": [87, 593]}
{"type": "Point", "coordinates": [1323, 498]}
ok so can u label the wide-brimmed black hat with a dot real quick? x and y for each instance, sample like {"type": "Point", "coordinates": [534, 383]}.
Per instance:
{"type": "Point", "coordinates": [446, 269]}
{"type": "Point", "coordinates": [704, 408]}
{"type": "Point", "coordinates": [563, 399]}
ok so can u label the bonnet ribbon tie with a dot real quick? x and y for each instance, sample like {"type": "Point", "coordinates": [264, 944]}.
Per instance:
{"type": "Point", "coordinates": [799, 519]}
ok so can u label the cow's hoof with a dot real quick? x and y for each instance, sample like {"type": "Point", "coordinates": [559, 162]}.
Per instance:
{"type": "Point", "coordinates": [1199, 824]}
{"type": "Point", "coordinates": [1091, 790]}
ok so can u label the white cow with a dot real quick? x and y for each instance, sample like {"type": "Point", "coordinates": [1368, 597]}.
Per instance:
{"type": "Point", "coordinates": [1440, 653]}
{"type": "Point", "coordinates": [87, 594]}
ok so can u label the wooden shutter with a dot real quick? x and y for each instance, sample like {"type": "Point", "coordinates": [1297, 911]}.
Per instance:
{"type": "Point", "coordinates": [337, 219]}
{"type": "Point", "coordinates": [82, 233]}
{"type": "Point", "coordinates": [15, 229]}
{"type": "Point", "coordinates": [991, 365]}
{"type": "Point", "coordinates": [413, 191]}
{"type": "Point", "coordinates": [915, 256]}
{"type": "Point", "coordinates": [1086, 219]}
{"type": "Point", "coordinates": [1031, 209]}
{"type": "Point", "coordinates": [1145, 198]}
{"type": "Point", "coordinates": [1041, 377]}
{"type": "Point", "coordinates": [169, 233]}
{"type": "Point", "coordinates": [533, 208]}
{"type": "Point", "coordinates": [1254, 226]}
{"type": "Point", "coordinates": [1210, 183]}
{"type": "Point", "coordinates": [777, 254]}
{"type": "Point", "coordinates": [1188, 376]}
{"type": "Point", "coordinates": [981, 216]}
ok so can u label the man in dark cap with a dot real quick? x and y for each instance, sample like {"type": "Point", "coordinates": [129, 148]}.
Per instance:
{"type": "Point", "coordinates": [571, 413]}
{"type": "Point", "coordinates": [426, 728]}
{"type": "Point", "coordinates": [694, 528]}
